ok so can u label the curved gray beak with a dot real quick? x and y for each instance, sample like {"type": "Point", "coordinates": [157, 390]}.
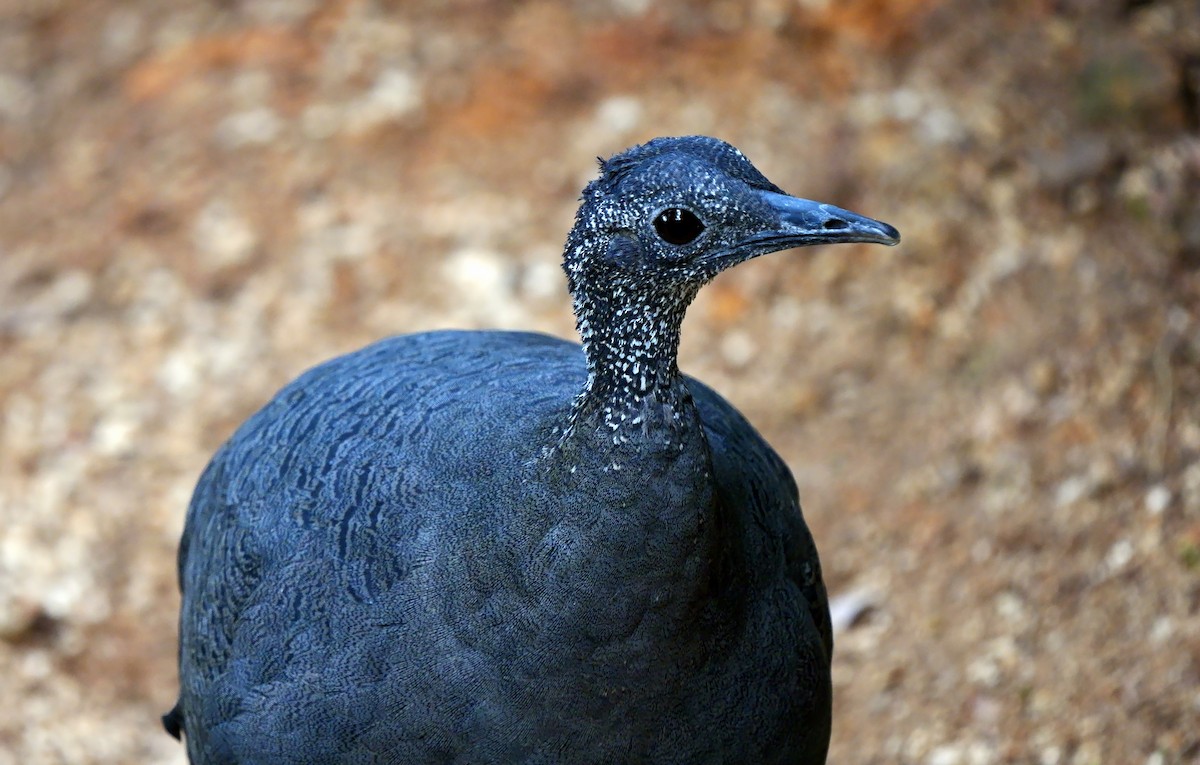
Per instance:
{"type": "Point", "coordinates": [802, 222]}
{"type": "Point", "coordinates": [785, 222]}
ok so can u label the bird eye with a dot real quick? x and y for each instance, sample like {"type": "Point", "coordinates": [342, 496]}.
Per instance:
{"type": "Point", "coordinates": [676, 225]}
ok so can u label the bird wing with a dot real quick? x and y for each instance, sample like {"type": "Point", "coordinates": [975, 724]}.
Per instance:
{"type": "Point", "coordinates": [751, 474]}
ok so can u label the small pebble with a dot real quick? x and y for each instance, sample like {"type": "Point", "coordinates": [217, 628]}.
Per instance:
{"type": "Point", "coordinates": [1157, 499]}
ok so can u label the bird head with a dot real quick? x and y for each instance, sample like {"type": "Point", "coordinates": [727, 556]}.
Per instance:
{"type": "Point", "coordinates": [669, 215]}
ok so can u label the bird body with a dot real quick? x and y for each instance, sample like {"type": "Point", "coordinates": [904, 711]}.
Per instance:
{"type": "Point", "coordinates": [495, 547]}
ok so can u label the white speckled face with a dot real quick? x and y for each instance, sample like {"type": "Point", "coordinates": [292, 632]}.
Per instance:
{"type": "Point", "coordinates": [657, 209]}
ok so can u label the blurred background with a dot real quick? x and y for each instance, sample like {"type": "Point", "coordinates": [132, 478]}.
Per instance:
{"type": "Point", "coordinates": [995, 426]}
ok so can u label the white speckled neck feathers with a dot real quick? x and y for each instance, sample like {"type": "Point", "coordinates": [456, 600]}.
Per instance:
{"type": "Point", "coordinates": [630, 332]}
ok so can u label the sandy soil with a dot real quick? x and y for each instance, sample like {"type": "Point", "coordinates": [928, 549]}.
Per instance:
{"type": "Point", "coordinates": [995, 427]}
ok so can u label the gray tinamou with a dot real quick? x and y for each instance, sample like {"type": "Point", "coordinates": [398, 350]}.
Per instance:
{"type": "Point", "coordinates": [501, 547]}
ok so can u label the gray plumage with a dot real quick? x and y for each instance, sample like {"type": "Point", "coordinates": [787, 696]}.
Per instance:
{"type": "Point", "coordinates": [495, 547]}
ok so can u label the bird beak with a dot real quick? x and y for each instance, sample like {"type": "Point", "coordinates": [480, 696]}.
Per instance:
{"type": "Point", "coordinates": [802, 222]}
{"type": "Point", "coordinates": [789, 222]}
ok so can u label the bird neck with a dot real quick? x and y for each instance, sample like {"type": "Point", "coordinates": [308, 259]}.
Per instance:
{"type": "Point", "coordinates": [631, 339]}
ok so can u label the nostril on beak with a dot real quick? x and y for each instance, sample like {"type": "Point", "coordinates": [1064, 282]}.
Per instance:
{"type": "Point", "coordinates": [834, 224]}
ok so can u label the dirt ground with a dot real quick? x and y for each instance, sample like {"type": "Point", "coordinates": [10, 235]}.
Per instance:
{"type": "Point", "coordinates": [995, 426]}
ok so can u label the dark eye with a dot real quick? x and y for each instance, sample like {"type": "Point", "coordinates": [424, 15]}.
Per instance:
{"type": "Point", "coordinates": [678, 226]}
